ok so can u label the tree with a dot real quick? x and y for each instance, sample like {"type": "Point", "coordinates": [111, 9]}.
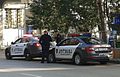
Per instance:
{"type": "Point", "coordinates": [87, 12]}
{"type": "Point", "coordinates": [84, 15]}
{"type": "Point", "coordinates": [40, 10]}
{"type": "Point", "coordinates": [105, 16]}
{"type": "Point", "coordinates": [60, 14]}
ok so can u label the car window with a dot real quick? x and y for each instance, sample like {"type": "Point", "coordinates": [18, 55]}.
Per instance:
{"type": "Point", "coordinates": [18, 41]}
{"type": "Point", "coordinates": [91, 41]}
{"type": "Point", "coordinates": [74, 41]}
{"type": "Point", "coordinates": [32, 39]}
{"type": "Point", "coordinates": [65, 42]}
{"type": "Point", "coordinates": [25, 39]}
{"type": "Point", "coordinates": [71, 41]}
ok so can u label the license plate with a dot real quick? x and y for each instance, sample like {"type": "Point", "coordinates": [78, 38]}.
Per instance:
{"type": "Point", "coordinates": [101, 49]}
{"type": "Point", "coordinates": [103, 54]}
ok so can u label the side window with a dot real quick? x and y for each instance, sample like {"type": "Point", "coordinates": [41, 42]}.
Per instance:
{"type": "Point", "coordinates": [66, 42]}
{"type": "Point", "coordinates": [74, 41]}
{"type": "Point", "coordinates": [18, 41]}
{"type": "Point", "coordinates": [25, 40]}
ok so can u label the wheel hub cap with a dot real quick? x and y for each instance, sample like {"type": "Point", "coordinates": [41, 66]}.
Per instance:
{"type": "Point", "coordinates": [77, 59]}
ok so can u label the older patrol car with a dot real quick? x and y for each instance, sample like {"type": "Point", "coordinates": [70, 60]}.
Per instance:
{"type": "Point", "coordinates": [81, 50]}
{"type": "Point", "coordinates": [27, 47]}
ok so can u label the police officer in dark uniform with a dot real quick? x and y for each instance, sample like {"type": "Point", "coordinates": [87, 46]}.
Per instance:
{"type": "Point", "coordinates": [58, 37]}
{"type": "Point", "coordinates": [45, 40]}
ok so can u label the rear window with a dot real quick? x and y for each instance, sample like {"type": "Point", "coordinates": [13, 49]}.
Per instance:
{"type": "Point", "coordinates": [91, 41]}
{"type": "Point", "coordinates": [34, 39]}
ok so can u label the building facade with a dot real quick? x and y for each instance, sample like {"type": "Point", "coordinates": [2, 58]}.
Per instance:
{"type": "Point", "coordinates": [13, 20]}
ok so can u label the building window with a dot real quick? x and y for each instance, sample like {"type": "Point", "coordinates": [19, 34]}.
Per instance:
{"type": "Point", "coordinates": [13, 18]}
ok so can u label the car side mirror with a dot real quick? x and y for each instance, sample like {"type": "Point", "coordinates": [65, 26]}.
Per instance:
{"type": "Point", "coordinates": [57, 44]}
{"type": "Point", "coordinates": [12, 43]}
{"type": "Point", "coordinates": [81, 44]}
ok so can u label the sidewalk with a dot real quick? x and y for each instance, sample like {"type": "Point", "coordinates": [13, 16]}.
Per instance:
{"type": "Point", "coordinates": [116, 56]}
{"type": "Point", "coordinates": [2, 54]}
{"type": "Point", "coordinates": [116, 61]}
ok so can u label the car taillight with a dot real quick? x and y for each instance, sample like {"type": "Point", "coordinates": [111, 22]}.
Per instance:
{"type": "Point", "coordinates": [90, 49]}
{"type": "Point", "coordinates": [37, 44]}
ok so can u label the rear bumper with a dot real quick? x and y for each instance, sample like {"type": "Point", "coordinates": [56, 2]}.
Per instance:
{"type": "Point", "coordinates": [98, 58]}
{"type": "Point", "coordinates": [36, 53]}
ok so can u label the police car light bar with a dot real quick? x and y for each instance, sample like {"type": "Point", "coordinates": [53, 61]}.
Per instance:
{"type": "Point", "coordinates": [27, 35]}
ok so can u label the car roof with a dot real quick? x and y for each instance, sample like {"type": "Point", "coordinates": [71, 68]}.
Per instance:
{"type": "Point", "coordinates": [80, 37]}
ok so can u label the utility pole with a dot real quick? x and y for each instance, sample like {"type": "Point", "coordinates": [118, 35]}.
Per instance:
{"type": "Point", "coordinates": [17, 22]}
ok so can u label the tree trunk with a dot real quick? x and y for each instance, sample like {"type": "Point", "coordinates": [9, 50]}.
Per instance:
{"type": "Point", "coordinates": [102, 26]}
{"type": "Point", "coordinates": [108, 14]}
{"type": "Point", "coordinates": [40, 30]}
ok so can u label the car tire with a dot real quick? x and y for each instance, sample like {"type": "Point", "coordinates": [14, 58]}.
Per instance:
{"type": "Point", "coordinates": [27, 55]}
{"type": "Point", "coordinates": [8, 55]}
{"type": "Point", "coordinates": [51, 58]}
{"type": "Point", "coordinates": [77, 59]}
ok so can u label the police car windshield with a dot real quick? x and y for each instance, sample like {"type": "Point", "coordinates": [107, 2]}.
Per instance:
{"type": "Point", "coordinates": [91, 40]}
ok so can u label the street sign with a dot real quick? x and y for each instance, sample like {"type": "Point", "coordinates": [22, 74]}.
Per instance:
{"type": "Point", "coordinates": [114, 32]}
{"type": "Point", "coordinates": [117, 20]}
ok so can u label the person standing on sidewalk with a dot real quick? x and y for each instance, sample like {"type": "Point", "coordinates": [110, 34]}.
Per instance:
{"type": "Point", "coordinates": [45, 40]}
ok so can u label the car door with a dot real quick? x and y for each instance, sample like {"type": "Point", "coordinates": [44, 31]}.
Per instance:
{"type": "Point", "coordinates": [18, 47]}
{"type": "Point", "coordinates": [66, 49]}
{"type": "Point", "coordinates": [14, 46]}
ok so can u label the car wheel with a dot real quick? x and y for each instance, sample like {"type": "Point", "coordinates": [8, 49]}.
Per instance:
{"type": "Point", "coordinates": [77, 59]}
{"type": "Point", "coordinates": [8, 55]}
{"type": "Point", "coordinates": [103, 62]}
{"type": "Point", "coordinates": [51, 58]}
{"type": "Point", "coordinates": [27, 56]}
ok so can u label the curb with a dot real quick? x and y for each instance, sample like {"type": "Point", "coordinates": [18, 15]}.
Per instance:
{"type": "Point", "coordinates": [116, 61]}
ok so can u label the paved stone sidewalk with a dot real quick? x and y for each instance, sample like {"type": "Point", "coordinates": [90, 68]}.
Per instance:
{"type": "Point", "coordinates": [2, 55]}
{"type": "Point", "coordinates": [117, 61]}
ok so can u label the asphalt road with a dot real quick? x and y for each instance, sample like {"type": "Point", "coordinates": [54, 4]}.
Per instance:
{"type": "Point", "coordinates": [21, 68]}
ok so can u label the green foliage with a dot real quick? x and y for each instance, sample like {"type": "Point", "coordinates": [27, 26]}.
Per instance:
{"type": "Point", "coordinates": [61, 14]}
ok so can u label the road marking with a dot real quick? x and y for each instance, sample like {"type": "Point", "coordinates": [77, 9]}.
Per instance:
{"type": "Point", "coordinates": [100, 66]}
{"type": "Point", "coordinates": [32, 69]}
{"type": "Point", "coordinates": [107, 65]}
{"type": "Point", "coordinates": [26, 74]}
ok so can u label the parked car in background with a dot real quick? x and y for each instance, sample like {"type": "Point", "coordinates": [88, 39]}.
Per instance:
{"type": "Point", "coordinates": [27, 46]}
{"type": "Point", "coordinates": [81, 50]}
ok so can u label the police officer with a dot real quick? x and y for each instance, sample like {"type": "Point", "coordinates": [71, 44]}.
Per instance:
{"type": "Point", "coordinates": [58, 38]}
{"type": "Point", "coordinates": [45, 40]}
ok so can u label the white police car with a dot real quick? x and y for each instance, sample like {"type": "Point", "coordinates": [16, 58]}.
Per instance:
{"type": "Point", "coordinates": [27, 47]}
{"type": "Point", "coordinates": [81, 50]}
